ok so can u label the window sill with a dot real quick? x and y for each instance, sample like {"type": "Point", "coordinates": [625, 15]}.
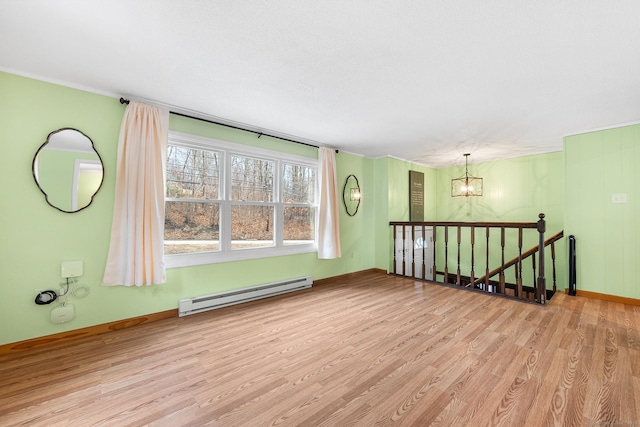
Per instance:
{"type": "Point", "coordinates": [203, 258]}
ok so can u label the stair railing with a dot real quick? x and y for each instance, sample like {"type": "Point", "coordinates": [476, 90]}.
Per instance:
{"type": "Point", "coordinates": [440, 229]}
{"type": "Point", "coordinates": [527, 254]}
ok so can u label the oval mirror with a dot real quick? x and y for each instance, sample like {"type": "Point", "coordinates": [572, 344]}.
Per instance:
{"type": "Point", "coordinates": [351, 195]}
{"type": "Point", "coordinates": [68, 170]}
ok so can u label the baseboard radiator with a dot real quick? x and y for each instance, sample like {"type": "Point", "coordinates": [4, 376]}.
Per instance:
{"type": "Point", "coordinates": [223, 299]}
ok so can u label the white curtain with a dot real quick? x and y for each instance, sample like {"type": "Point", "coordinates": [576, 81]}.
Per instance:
{"type": "Point", "coordinates": [136, 251]}
{"type": "Point", "coordinates": [328, 220]}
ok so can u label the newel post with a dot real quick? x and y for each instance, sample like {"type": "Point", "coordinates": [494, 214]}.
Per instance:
{"type": "Point", "coordinates": [541, 289]}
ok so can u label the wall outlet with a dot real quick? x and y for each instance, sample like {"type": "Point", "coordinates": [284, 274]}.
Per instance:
{"type": "Point", "coordinates": [71, 269]}
{"type": "Point", "coordinates": [619, 198]}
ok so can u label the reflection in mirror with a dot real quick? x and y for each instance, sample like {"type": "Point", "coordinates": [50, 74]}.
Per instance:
{"type": "Point", "coordinates": [351, 195]}
{"type": "Point", "coordinates": [68, 170]}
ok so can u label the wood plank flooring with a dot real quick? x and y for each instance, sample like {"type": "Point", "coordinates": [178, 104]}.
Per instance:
{"type": "Point", "coordinates": [375, 350]}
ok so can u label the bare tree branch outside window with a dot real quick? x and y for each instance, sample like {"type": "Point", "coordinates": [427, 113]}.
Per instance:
{"type": "Point", "coordinates": [194, 201]}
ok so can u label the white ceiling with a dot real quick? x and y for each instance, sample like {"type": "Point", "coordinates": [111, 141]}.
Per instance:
{"type": "Point", "coordinates": [421, 80]}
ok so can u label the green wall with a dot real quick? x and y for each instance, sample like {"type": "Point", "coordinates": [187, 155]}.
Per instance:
{"type": "Point", "coordinates": [515, 190]}
{"type": "Point", "coordinates": [55, 176]}
{"type": "Point", "coordinates": [37, 238]}
{"type": "Point", "coordinates": [391, 178]}
{"type": "Point", "coordinates": [597, 165]}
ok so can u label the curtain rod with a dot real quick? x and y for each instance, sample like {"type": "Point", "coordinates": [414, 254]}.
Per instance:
{"type": "Point", "coordinates": [126, 101]}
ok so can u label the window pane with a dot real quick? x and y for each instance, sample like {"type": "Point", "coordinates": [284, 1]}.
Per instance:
{"type": "Point", "coordinates": [299, 225]}
{"type": "Point", "coordinates": [192, 173]}
{"type": "Point", "coordinates": [298, 184]}
{"type": "Point", "coordinates": [251, 179]}
{"type": "Point", "coordinates": [191, 227]}
{"type": "Point", "coordinates": [251, 226]}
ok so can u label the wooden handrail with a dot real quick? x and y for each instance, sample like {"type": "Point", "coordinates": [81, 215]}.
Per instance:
{"type": "Point", "coordinates": [517, 259]}
{"type": "Point", "coordinates": [467, 224]}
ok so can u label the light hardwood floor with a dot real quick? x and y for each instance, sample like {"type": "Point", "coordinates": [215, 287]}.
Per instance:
{"type": "Point", "coordinates": [374, 350]}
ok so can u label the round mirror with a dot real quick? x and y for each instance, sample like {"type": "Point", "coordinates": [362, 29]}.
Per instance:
{"type": "Point", "coordinates": [68, 170]}
{"type": "Point", "coordinates": [351, 195]}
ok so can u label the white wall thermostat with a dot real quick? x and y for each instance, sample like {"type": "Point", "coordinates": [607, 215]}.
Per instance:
{"type": "Point", "coordinates": [63, 313]}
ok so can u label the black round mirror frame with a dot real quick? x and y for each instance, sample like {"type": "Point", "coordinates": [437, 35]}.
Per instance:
{"type": "Point", "coordinates": [351, 198]}
{"type": "Point", "coordinates": [36, 177]}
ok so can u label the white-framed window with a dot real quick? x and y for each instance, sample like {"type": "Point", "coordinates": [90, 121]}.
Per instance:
{"type": "Point", "coordinates": [227, 202]}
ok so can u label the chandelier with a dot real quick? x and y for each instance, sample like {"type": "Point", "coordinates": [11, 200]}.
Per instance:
{"type": "Point", "coordinates": [466, 185]}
